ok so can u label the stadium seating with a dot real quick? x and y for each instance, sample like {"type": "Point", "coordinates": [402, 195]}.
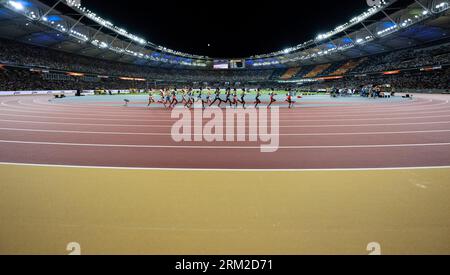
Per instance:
{"type": "Point", "coordinates": [437, 79]}
{"type": "Point", "coordinates": [350, 65]}
{"type": "Point", "coordinates": [408, 58]}
{"type": "Point", "coordinates": [277, 73]}
{"type": "Point", "coordinates": [333, 67]}
{"type": "Point", "coordinates": [317, 70]}
{"type": "Point", "coordinates": [304, 70]}
{"type": "Point", "coordinates": [290, 73]}
{"type": "Point", "coordinates": [52, 71]}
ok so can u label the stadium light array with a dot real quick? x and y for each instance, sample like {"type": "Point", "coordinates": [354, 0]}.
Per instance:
{"type": "Point", "coordinates": [21, 7]}
{"type": "Point", "coordinates": [141, 41]}
{"type": "Point", "coordinates": [78, 35]}
{"type": "Point", "coordinates": [387, 30]}
{"type": "Point", "coordinates": [63, 28]}
{"type": "Point", "coordinates": [363, 40]}
{"type": "Point", "coordinates": [176, 57]}
{"type": "Point", "coordinates": [106, 23]}
{"type": "Point", "coordinates": [406, 22]}
{"type": "Point", "coordinates": [16, 5]}
{"type": "Point", "coordinates": [442, 6]}
{"type": "Point", "coordinates": [321, 37]}
{"type": "Point", "coordinates": [355, 20]}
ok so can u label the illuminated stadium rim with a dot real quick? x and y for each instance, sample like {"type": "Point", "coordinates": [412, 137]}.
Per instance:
{"type": "Point", "coordinates": [370, 12]}
{"type": "Point", "coordinates": [167, 55]}
{"type": "Point", "coordinates": [107, 24]}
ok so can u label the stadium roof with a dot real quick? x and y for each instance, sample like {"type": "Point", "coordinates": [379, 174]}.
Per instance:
{"type": "Point", "coordinates": [67, 27]}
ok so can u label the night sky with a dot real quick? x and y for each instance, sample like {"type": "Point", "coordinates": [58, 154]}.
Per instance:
{"type": "Point", "coordinates": [233, 28]}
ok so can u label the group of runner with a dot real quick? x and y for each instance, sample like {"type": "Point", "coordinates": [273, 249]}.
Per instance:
{"type": "Point", "coordinates": [171, 98]}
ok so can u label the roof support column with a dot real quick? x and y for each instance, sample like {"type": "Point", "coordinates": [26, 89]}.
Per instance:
{"type": "Point", "coordinates": [422, 5]}
{"type": "Point", "coordinates": [78, 22]}
{"type": "Point", "coordinates": [367, 29]}
{"type": "Point", "coordinates": [51, 9]}
{"type": "Point", "coordinates": [390, 18]}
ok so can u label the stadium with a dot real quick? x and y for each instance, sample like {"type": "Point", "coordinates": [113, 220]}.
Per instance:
{"type": "Point", "coordinates": [113, 144]}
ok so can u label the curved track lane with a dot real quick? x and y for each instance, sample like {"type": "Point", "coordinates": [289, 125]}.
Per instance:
{"type": "Point", "coordinates": [367, 134]}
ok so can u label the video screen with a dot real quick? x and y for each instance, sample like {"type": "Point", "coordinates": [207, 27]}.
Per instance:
{"type": "Point", "coordinates": [221, 65]}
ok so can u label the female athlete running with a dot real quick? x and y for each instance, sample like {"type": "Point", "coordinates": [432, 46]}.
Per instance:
{"type": "Point", "coordinates": [235, 99]}
{"type": "Point", "coordinates": [183, 97]}
{"type": "Point", "coordinates": [217, 98]}
{"type": "Point", "coordinates": [289, 100]}
{"type": "Point", "coordinates": [228, 98]}
{"type": "Point", "coordinates": [189, 99]}
{"type": "Point", "coordinates": [272, 99]}
{"type": "Point", "coordinates": [258, 100]}
{"type": "Point", "coordinates": [174, 99]}
{"type": "Point", "coordinates": [163, 99]}
{"type": "Point", "coordinates": [208, 97]}
{"type": "Point", "coordinates": [150, 99]}
{"type": "Point", "coordinates": [243, 98]}
{"type": "Point", "coordinates": [199, 96]}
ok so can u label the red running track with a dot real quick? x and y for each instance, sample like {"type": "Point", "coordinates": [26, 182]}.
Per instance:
{"type": "Point", "coordinates": [377, 135]}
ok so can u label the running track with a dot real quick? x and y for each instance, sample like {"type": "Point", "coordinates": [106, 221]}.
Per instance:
{"type": "Point", "coordinates": [412, 133]}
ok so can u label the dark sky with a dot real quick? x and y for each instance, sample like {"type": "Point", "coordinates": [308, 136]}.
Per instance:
{"type": "Point", "coordinates": [233, 28]}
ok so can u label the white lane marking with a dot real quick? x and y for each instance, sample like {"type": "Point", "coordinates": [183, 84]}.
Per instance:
{"type": "Point", "coordinates": [168, 134]}
{"type": "Point", "coordinates": [99, 114]}
{"type": "Point", "coordinates": [143, 99]}
{"type": "Point", "coordinates": [227, 170]}
{"type": "Point", "coordinates": [322, 113]}
{"type": "Point", "coordinates": [388, 106]}
{"type": "Point", "coordinates": [420, 101]}
{"type": "Point", "coordinates": [160, 108]}
{"type": "Point", "coordinates": [169, 126]}
{"type": "Point", "coordinates": [173, 120]}
{"type": "Point", "coordinates": [295, 114]}
{"type": "Point", "coordinates": [223, 147]}
{"type": "Point", "coordinates": [155, 112]}
{"type": "Point", "coordinates": [402, 110]}
{"type": "Point", "coordinates": [358, 106]}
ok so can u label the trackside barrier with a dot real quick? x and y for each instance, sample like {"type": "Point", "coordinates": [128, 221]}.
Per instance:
{"type": "Point", "coordinates": [59, 92]}
{"type": "Point", "coordinates": [20, 93]}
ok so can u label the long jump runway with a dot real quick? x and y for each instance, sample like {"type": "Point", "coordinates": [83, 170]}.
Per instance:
{"type": "Point", "coordinates": [347, 173]}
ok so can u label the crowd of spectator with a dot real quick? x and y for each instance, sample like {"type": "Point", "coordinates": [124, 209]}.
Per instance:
{"type": "Point", "coordinates": [21, 54]}
{"type": "Point", "coordinates": [14, 55]}
{"type": "Point", "coordinates": [406, 59]}
{"type": "Point", "coordinates": [431, 80]}
{"type": "Point", "coordinates": [25, 80]}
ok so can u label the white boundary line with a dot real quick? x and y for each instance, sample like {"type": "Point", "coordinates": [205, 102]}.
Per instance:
{"type": "Point", "coordinates": [175, 119]}
{"type": "Point", "coordinates": [160, 107]}
{"type": "Point", "coordinates": [321, 115]}
{"type": "Point", "coordinates": [91, 115]}
{"type": "Point", "coordinates": [168, 134]}
{"type": "Point", "coordinates": [39, 109]}
{"type": "Point", "coordinates": [227, 170]}
{"type": "Point", "coordinates": [96, 115]}
{"type": "Point", "coordinates": [170, 126]}
{"type": "Point", "coordinates": [222, 147]}
{"type": "Point", "coordinates": [356, 106]}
